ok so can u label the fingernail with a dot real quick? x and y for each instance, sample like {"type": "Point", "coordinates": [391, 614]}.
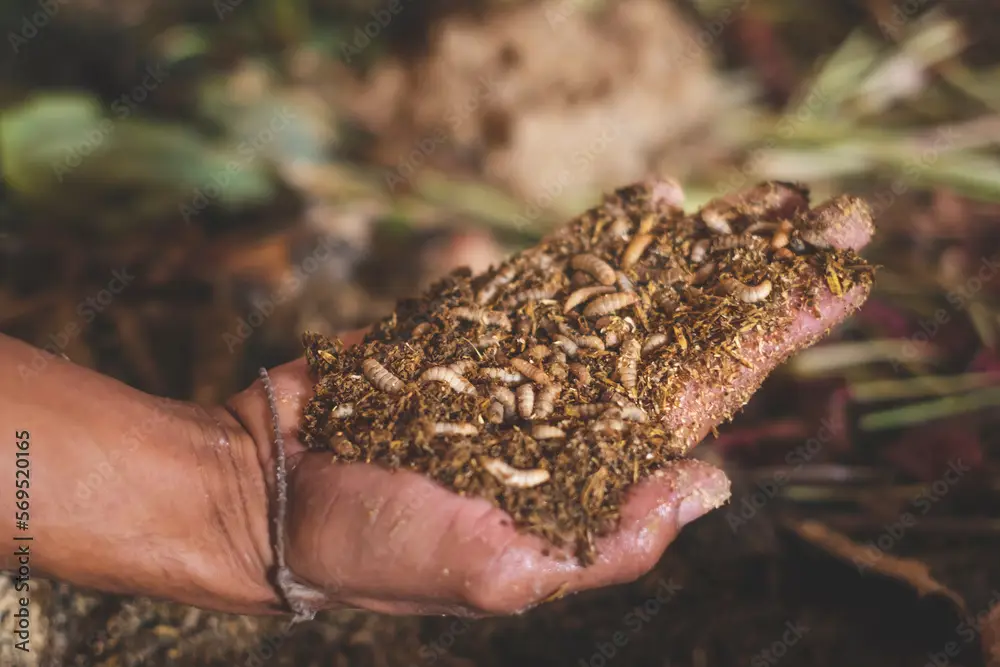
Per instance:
{"type": "Point", "coordinates": [710, 493]}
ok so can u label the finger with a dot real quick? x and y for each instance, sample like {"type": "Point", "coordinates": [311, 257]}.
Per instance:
{"type": "Point", "coordinates": [398, 542]}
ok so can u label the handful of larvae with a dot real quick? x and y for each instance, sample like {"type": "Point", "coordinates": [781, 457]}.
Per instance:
{"type": "Point", "coordinates": [552, 383]}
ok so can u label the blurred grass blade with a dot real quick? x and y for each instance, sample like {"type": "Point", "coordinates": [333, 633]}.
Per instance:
{"type": "Point", "coordinates": [925, 411]}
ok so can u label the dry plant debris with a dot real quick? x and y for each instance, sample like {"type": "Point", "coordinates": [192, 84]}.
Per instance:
{"type": "Point", "coordinates": [554, 382]}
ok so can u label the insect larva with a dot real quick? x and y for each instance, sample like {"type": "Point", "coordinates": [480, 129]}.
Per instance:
{"type": "Point", "coordinates": [580, 279]}
{"type": "Point", "coordinates": [581, 372]}
{"type": "Point", "coordinates": [381, 377]}
{"type": "Point", "coordinates": [482, 316]}
{"type": "Point", "coordinates": [566, 344]}
{"type": "Point", "coordinates": [589, 342]}
{"type": "Point", "coordinates": [783, 253]}
{"type": "Point", "coordinates": [761, 227]}
{"type": "Point", "coordinates": [716, 222]}
{"type": "Point", "coordinates": [559, 371]}
{"type": "Point", "coordinates": [444, 428]}
{"type": "Point", "coordinates": [490, 289]}
{"type": "Point", "coordinates": [584, 294]}
{"type": "Point", "coordinates": [628, 364]}
{"type": "Point", "coordinates": [525, 400]}
{"type": "Point", "coordinates": [342, 411]}
{"type": "Point", "coordinates": [505, 397]}
{"type": "Point", "coordinates": [588, 409]}
{"type": "Point", "coordinates": [495, 412]}
{"type": "Point", "coordinates": [421, 329]}
{"type": "Point", "coordinates": [546, 432]}
{"type": "Point", "coordinates": [535, 294]}
{"type": "Point", "coordinates": [486, 341]}
{"type": "Point", "coordinates": [595, 266]}
{"type": "Point", "coordinates": [608, 425]}
{"type": "Point", "coordinates": [781, 236]}
{"type": "Point", "coordinates": [520, 479]}
{"type": "Point", "coordinates": [464, 366]}
{"type": "Point", "coordinates": [530, 371]}
{"type": "Point", "coordinates": [746, 293]}
{"type": "Point", "coordinates": [735, 241]}
{"type": "Point", "coordinates": [539, 352]}
{"type": "Point", "coordinates": [624, 283]}
{"type": "Point", "coordinates": [620, 227]}
{"type": "Point", "coordinates": [609, 303]}
{"type": "Point", "coordinates": [703, 273]}
{"type": "Point", "coordinates": [699, 250]}
{"type": "Point", "coordinates": [631, 413]}
{"type": "Point", "coordinates": [559, 357]}
{"type": "Point", "coordinates": [545, 404]}
{"type": "Point", "coordinates": [635, 248]}
{"type": "Point", "coordinates": [653, 343]}
{"type": "Point", "coordinates": [449, 377]}
{"type": "Point", "coordinates": [503, 375]}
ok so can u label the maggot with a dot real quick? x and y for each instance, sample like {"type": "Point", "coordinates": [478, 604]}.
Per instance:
{"type": "Point", "coordinates": [735, 241]}
{"type": "Point", "coordinates": [535, 294]}
{"type": "Point", "coordinates": [545, 404]}
{"type": "Point", "coordinates": [486, 341]}
{"type": "Point", "coordinates": [782, 235]}
{"type": "Point", "coordinates": [624, 283]}
{"type": "Point", "coordinates": [699, 250]}
{"type": "Point", "coordinates": [490, 289]}
{"type": "Point", "coordinates": [445, 428]}
{"type": "Point", "coordinates": [609, 303]}
{"type": "Point", "coordinates": [566, 344]}
{"type": "Point", "coordinates": [482, 316]}
{"type": "Point", "coordinates": [715, 221]}
{"type": "Point", "coordinates": [448, 377]}
{"type": "Point", "coordinates": [631, 413]}
{"type": "Point", "coordinates": [525, 401]}
{"type": "Point", "coordinates": [547, 432]}
{"type": "Point", "coordinates": [585, 294]}
{"type": "Point", "coordinates": [628, 363]}
{"type": "Point", "coordinates": [653, 343]}
{"type": "Point", "coordinates": [505, 397]}
{"type": "Point", "coordinates": [588, 409]}
{"type": "Point", "coordinates": [342, 411]}
{"type": "Point", "coordinates": [539, 352]}
{"type": "Point", "coordinates": [605, 425]}
{"type": "Point", "coordinates": [530, 371]}
{"type": "Point", "coordinates": [581, 372]}
{"type": "Point", "coordinates": [588, 341]}
{"type": "Point", "coordinates": [495, 412]}
{"type": "Point", "coordinates": [595, 266]}
{"type": "Point", "coordinates": [746, 293]}
{"type": "Point", "coordinates": [521, 479]}
{"type": "Point", "coordinates": [503, 375]}
{"type": "Point", "coordinates": [635, 248]}
{"type": "Point", "coordinates": [703, 273]}
{"type": "Point", "coordinates": [559, 370]}
{"type": "Point", "coordinates": [381, 377]}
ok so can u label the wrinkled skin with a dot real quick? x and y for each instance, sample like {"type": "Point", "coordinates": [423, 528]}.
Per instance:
{"type": "Point", "coordinates": [142, 496]}
{"type": "Point", "coordinates": [398, 543]}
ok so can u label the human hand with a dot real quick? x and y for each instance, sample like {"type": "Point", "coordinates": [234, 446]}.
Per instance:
{"type": "Point", "coordinates": [396, 542]}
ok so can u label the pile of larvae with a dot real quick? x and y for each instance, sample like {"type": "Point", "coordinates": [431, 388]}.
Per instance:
{"type": "Point", "coordinates": [548, 385]}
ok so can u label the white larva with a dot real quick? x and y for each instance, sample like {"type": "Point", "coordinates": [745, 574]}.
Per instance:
{"type": "Point", "coordinates": [503, 375]}
{"type": "Point", "coordinates": [545, 403]}
{"type": "Point", "coordinates": [628, 364]}
{"type": "Point", "coordinates": [623, 282]}
{"type": "Point", "coordinates": [381, 377]}
{"type": "Point", "coordinates": [525, 401]}
{"type": "Point", "coordinates": [716, 222]}
{"type": "Point", "coordinates": [484, 342]}
{"type": "Point", "coordinates": [581, 372]}
{"type": "Point", "coordinates": [482, 316]}
{"type": "Point", "coordinates": [566, 344]}
{"type": "Point", "coordinates": [635, 248]}
{"type": "Point", "coordinates": [490, 289]}
{"type": "Point", "coordinates": [746, 293]}
{"type": "Point", "coordinates": [535, 294]}
{"type": "Point", "coordinates": [699, 250]}
{"type": "Point", "coordinates": [605, 425]}
{"type": "Point", "coordinates": [653, 343]}
{"type": "Point", "coordinates": [584, 294]}
{"type": "Point", "coordinates": [588, 409]}
{"type": "Point", "coordinates": [589, 342]}
{"type": "Point", "coordinates": [445, 428]}
{"type": "Point", "coordinates": [530, 371]}
{"type": "Point", "coordinates": [631, 413]}
{"type": "Point", "coordinates": [464, 366]}
{"type": "Point", "coordinates": [521, 479]}
{"type": "Point", "coordinates": [595, 266]}
{"type": "Point", "coordinates": [449, 377]}
{"type": "Point", "coordinates": [495, 412]}
{"type": "Point", "coordinates": [342, 411]}
{"type": "Point", "coordinates": [539, 352]}
{"type": "Point", "coordinates": [547, 432]}
{"type": "Point", "coordinates": [609, 303]}
{"type": "Point", "coordinates": [783, 235]}
{"type": "Point", "coordinates": [559, 370]}
{"type": "Point", "coordinates": [505, 397]}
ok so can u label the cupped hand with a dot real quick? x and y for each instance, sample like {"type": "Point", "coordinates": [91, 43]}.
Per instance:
{"type": "Point", "coordinates": [397, 542]}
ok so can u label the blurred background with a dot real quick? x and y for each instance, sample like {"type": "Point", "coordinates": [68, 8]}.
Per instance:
{"type": "Point", "coordinates": [189, 185]}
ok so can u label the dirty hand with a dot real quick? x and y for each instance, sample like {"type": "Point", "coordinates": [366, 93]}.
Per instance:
{"type": "Point", "coordinates": [396, 542]}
